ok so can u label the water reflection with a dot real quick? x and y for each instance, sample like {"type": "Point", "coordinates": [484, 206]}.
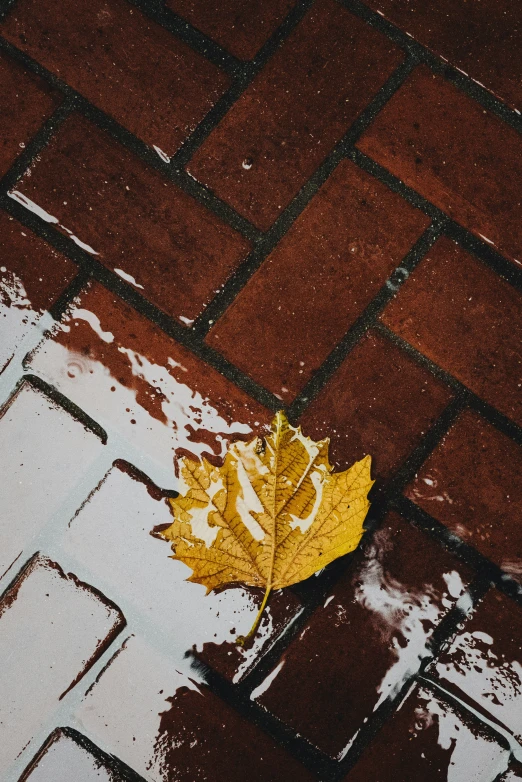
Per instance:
{"type": "Point", "coordinates": [46, 619]}
{"type": "Point", "coordinates": [143, 386]}
{"type": "Point", "coordinates": [460, 741]}
{"type": "Point", "coordinates": [17, 314]}
{"type": "Point", "coordinates": [405, 616]}
{"type": "Point", "coordinates": [109, 544]}
{"type": "Point", "coordinates": [64, 759]}
{"type": "Point", "coordinates": [484, 661]}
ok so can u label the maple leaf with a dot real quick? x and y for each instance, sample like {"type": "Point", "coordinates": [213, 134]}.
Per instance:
{"type": "Point", "coordinates": [272, 515]}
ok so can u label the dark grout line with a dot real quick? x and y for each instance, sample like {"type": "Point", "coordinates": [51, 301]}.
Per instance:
{"type": "Point", "coordinates": [190, 35]}
{"type": "Point", "coordinates": [75, 287]}
{"type": "Point", "coordinates": [473, 244]}
{"type": "Point", "coordinates": [246, 73]}
{"type": "Point", "coordinates": [446, 630]}
{"type": "Point", "coordinates": [17, 575]}
{"type": "Point", "coordinates": [122, 772]}
{"type": "Point", "coordinates": [65, 403]}
{"type": "Point", "coordinates": [365, 321]}
{"type": "Point", "coordinates": [466, 84]}
{"type": "Point", "coordinates": [76, 102]}
{"type": "Point", "coordinates": [504, 424]}
{"type": "Point", "coordinates": [5, 8]}
{"type": "Point", "coordinates": [370, 729]}
{"type": "Point", "coordinates": [237, 697]}
{"type": "Point", "coordinates": [35, 146]}
{"type": "Point", "coordinates": [485, 569]}
{"type": "Point", "coordinates": [429, 442]}
{"type": "Point", "coordinates": [485, 253]}
{"type": "Point", "coordinates": [294, 210]}
{"type": "Point", "coordinates": [461, 702]}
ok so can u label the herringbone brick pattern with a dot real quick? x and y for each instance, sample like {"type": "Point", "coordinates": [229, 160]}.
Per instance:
{"type": "Point", "coordinates": [210, 211]}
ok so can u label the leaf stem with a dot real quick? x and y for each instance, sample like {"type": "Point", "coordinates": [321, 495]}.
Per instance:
{"type": "Point", "coordinates": [241, 640]}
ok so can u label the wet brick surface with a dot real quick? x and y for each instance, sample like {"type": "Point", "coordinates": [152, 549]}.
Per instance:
{"type": "Point", "coordinates": [241, 27]}
{"type": "Point", "coordinates": [26, 101]}
{"type": "Point", "coordinates": [370, 635]}
{"type": "Point", "coordinates": [210, 211]}
{"type": "Point", "coordinates": [422, 137]}
{"type": "Point", "coordinates": [459, 314]}
{"type": "Point", "coordinates": [431, 739]}
{"type": "Point", "coordinates": [133, 220]}
{"type": "Point", "coordinates": [299, 106]}
{"type": "Point", "coordinates": [487, 44]}
{"type": "Point", "coordinates": [317, 281]}
{"type": "Point", "coordinates": [471, 483]}
{"type": "Point", "coordinates": [125, 64]}
{"type": "Point", "coordinates": [378, 402]}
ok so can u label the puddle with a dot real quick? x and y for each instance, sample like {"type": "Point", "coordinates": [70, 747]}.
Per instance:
{"type": "Point", "coordinates": [38, 473]}
{"type": "Point", "coordinates": [169, 726]}
{"type": "Point", "coordinates": [143, 386]}
{"type": "Point", "coordinates": [64, 758]}
{"type": "Point", "coordinates": [109, 544]}
{"type": "Point", "coordinates": [51, 618]}
{"type": "Point", "coordinates": [368, 639]}
{"type": "Point", "coordinates": [484, 662]}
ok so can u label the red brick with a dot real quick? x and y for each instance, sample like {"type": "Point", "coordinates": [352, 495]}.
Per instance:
{"type": "Point", "coordinates": [52, 629]}
{"type": "Point", "coordinates": [431, 740]}
{"type": "Point", "coordinates": [26, 101]}
{"type": "Point", "coordinates": [241, 26]}
{"type": "Point", "coordinates": [371, 634]}
{"type": "Point", "coordinates": [233, 661]}
{"type": "Point", "coordinates": [487, 45]}
{"type": "Point", "coordinates": [378, 402]}
{"type": "Point", "coordinates": [32, 276]}
{"type": "Point", "coordinates": [128, 66]}
{"type": "Point", "coordinates": [65, 758]}
{"type": "Point", "coordinates": [483, 663]}
{"type": "Point", "coordinates": [317, 281]}
{"type": "Point", "coordinates": [467, 319]}
{"type": "Point", "coordinates": [143, 579]}
{"type": "Point", "coordinates": [128, 375]}
{"type": "Point", "coordinates": [133, 220]}
{"type": "Point", "coordinates": [472, 483]}
{"type": "Point", "coordinates": [45, 454]}
{"type": "Point", "coordinates": [460, 157]}
{"type": "Point", "coordinates": [167, 726]}
{"type": "Point", "coordinates": [294, 112]}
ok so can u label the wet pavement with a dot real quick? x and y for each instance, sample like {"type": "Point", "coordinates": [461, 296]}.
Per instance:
{"type": "Point", "coordinates": [210, 212]}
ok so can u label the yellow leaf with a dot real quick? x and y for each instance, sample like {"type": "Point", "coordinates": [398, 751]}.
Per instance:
{"type": "Point", "coordinates": [271, 516]}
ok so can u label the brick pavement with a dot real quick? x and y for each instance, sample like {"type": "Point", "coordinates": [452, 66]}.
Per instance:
{"type": "Point", "coordinates": [209, 212]}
